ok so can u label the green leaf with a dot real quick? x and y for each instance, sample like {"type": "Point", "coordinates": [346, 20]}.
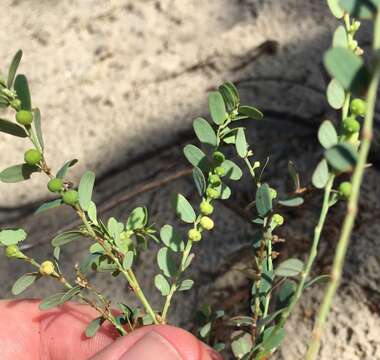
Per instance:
{"type": "Point", "coordinates": [287, 290]}
{"type": "Point", "coordinates": [196, 157]}
{"type": "Point", "coordinates": [166, 262]}
{"type": "Point", "coordinates": [230, 95]}
{"type": "Point", "coordinates": [342, 157]}
{"type": "Point", "coordinates": [292, 202]}
{"type": "Point", "coordinates": [186, 284]}
{"type": "Point", "coordinates": [21, 87]}
{"type": "Point", "coordinates": [23, 283]}
{"type": "Point", "coordinates": [115, 228]}
{"type": "Point", "coordinates": [68, 295]}
{"type": "Point", "coordinates": [289, 268]}
{"type": "Point", "coordinates": [251, 112]}
{"type": "Point", "coordinates": [272, 340]}
{"type": "Point", "coordinates": [327, 135]}
{"type": "Point", "coordinates": [233, 171]}
{"type": "Point", "coordinates": [188, 261]}
{"type": "Point", "coordinates": [241, 321]}
{"type": "Point", "coordinates": [320, 175]}
{"type": "Point", "coordinates": [18, 173]}
{"type": "Point", "coordinates": [128, 260]}
{"type": "Point", "coordinates": [225, 192]}
{"type": "Point", "coordinates": [263, 200]}
{"type": "Point", "coordinates": [205, 330]}
{"type": "Point", "coordinates": [49, 205]}
{"type": "Point", "coordinates": [199, 180]}
{"type": "Point", "coordinates": [347, 68]}
{"type": "Point", "coordinates": [335, 8]}
{"type": "Point", "coordinates": [183, 209]}
{"type": "Point", "coordinates": [13, 68]}
{"type": "Point", "coordinates": [94, 326]}
{"type": "Point", "coordinates": [162, 284]}
{"type": "Point", "coordinates": [294, 175]}
{"type": "Point", "coordinates": [138, 218]}
{"type": "Point", "coordinates": [204, 131]}
{"type": "Point", "coordinates": [63, 170]}
{"type": "Point", "coordinates": [51, 301]}
{"type": "Point", "coordinates": [321, 279]}
{"type": "Point", "coordinates": [241, 143]}
{"type": "Point", "coordinates": [340, 37]}
{"type": "Point", "coordinates": [37, 124]}
{"type": "Point", "coordinates": [360, 9]}
{"type": "Point", "coordinates": [86, 185]}
{"type": "Point", "coordinates": [12, 237]}
{"type": "Point", "coordinates": [335, 94]}
{"type": "Point", "coordinates": [217, 107]}
{"type": "Point", "coordinates": [57, 253]}
{"type": "Point", "coordinates": [241, 344]}
{"type": "Point", "coordinates": [11, 128]}
{"type": "Point", "coordinates": [171, 238]}
{"type": "Point", "coordinates": [67, 237]}
{"type": "Point", "coordinates": [92, 212]}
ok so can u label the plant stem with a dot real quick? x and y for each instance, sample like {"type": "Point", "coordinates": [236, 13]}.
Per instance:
{"type": "Point", "coordinates": [128, 274]}
{"type": "Point", "coordinates": [174, 286]}
{"type": "Point", "coordinates": [357, 177]}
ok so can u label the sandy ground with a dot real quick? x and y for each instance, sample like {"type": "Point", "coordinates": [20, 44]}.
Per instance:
{"type": "Point", "coordinates": [119, 82]}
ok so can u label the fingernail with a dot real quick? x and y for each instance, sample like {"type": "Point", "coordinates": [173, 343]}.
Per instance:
{"type": "Point", "coordinates": [152, 346]}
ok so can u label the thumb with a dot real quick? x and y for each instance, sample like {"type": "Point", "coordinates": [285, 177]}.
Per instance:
{"type": "Point", "coordinates": [158, 342]}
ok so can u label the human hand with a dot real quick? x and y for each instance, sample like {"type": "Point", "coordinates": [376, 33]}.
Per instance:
{"type": "Point", "coordinates": [26, 333]}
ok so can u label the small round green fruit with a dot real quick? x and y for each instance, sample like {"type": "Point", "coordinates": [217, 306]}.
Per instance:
{"type": "Point", "coordinates": [32, 157]}
{"type": "Point", "coordinates": [206, 223]}
{"type": "Point", "coordinates": [24, 117]}
{"type": "Point", "coordinates": [345, 189]}
{"type": "Point", "coordinates": [55, 185]}
{"type": "Point", "coordinates": [214, 180]}
{"type": "Point", "coordinates": [47, 268]}
{"type": "Point", "coordinates": [70, 197]}
{"type": "Point", "coordinates": [206, 208]}
{"type": "Point", "coordinates": [351, 125]}
{"type": "Point", "coordinates": [212, 193]}
{"type": "Point", "coordinates": [278, 219]}
{"type": "Point", "coordinates": [220, 171]}
{"type": "Point", "coordinates": [12, 251]}
{"type": "Point", "coordinates": [218, 157]}
{"type": "Point", "coordinates": [358, 107]}
{"type": "Point", "coordinates": [273, 193]}
{"type": "Point", "coordinates": [194, 235]}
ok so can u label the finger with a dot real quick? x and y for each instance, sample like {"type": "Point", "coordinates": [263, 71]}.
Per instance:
{"type": "Point", "coordinates": [159, 342]}
{"type": "Point", "coordinates": [57, 334]}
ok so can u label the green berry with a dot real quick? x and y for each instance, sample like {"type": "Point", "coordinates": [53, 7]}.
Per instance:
{"type": "Point", "coordinates": [212, 193]}
{"type": "Point", "coordinates": [12, 251]}
{"type": "Point", "coordinates": [278, 219]}
{"type": "Point", "coordinates": [206, 208]}
{"type": "Point", "coordinates": [220, 171]}
{"type": "Point", "coordinates": [345, 189]}
{"type": "Point", "coordinates": [47, 268]}
{"type": "Point", "coordinates": [273, 193]}
{"type": "Point", "coordinates": [351, 125]}
{"type": "Point", "coordinates": [55, 185]}
{"type": "Point", "coordinates": [206, 223]}
{"type": "Point", "coordinates": [218, 157]}
{"type": "Point", "coordinates": [194, 235]}
{"type": "Point", "coordinates": [24, 117]}
{"type": "Point", "coordinates": [358, 107]}
{"type": "Point", "coordinates": [70, 197]}
{"type": "Point", "coordinates": [214, 180]}
{"type": "Point", "coordinates": [16, 104]}
{"type": "Point", "coordinates": [32, 157]}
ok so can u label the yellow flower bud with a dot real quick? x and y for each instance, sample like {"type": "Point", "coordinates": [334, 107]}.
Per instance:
{"type": "Point", "coordinates": [206, 223]}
